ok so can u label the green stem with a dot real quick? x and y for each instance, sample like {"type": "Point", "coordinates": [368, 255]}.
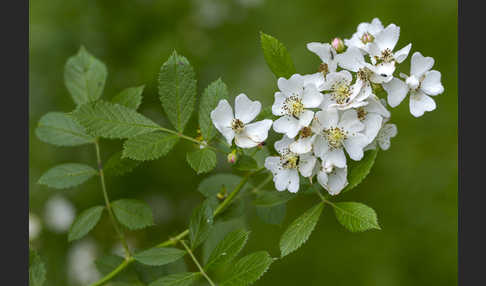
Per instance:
{"type": "Point", "coordinates": [113, 273]}
{"type": "Point", "coordinates": [190, 139]}
{"type": "Point", "coordinates": [107, 200]}
{"type": "Point", "coordinates": [201, 270]}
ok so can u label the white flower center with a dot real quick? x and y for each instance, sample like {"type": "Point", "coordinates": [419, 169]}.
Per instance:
{"type": "Point", "coordinates": [361, 113]}
{"type": "Point", "coordinates": [335, 137]}
{"type": "Point", "coordinates": [237, 125]}
{"type": "Point", "coordinates": [367, 38]}
{"type": "Point", "coordinates": [341, 93]}
{"type": "Point", "coordinates": [413, 82]}
{"type": "Point", "coordinates": [385, 57]}
{"type": "Point", "coordinates": [293, 106]}
{"type": "Point", "coordinates": [289, 160]}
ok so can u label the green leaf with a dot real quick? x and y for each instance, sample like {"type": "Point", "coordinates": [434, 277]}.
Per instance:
{"type": "Point", "coordinates": [130, 97]}
{"type": "Point", "coordinates": [60, 129]}
{"type": "Point", "coordinates": [158, 256]}
{"type": "Point", "coordinates": [300, 230]}
{"type": "Point", "coordinates": [358, 170]}
{"type": "Point", "coordinates": [67, 175]}
{"type": "Point", "coordinates": [109, 120]}
{"type": "Point", "coordinates": [149, 146]}
{"type": "Point", "coordinates": [266, 113]}
{"type": "Point", "coordinates": [276, 56]}
{"type": "Point", "coordinates": [272, 215]}
{"type": "Point", "coordinates": [118, 166]}
{"type": "Point", "coordinates": [179, 279]}
{"type": "Point", "coordinates": [85, 222]}
{"type": "Point", "coordinates": [202, 160]}
{"type": "Point", "coordinates": [272, 198]}
{"type": "Point", "coordinates": [37, 269]}
{"type": "Point", "coordinates": [133, 214]}
{"type": "Point", "coordinates": [210, 98]}
{"type": "Point", "coordinates": [177, 90]}
{"type": "Point", "coordinates": [248, 269]}
{"type": "Point", "coordinates": [356, 217]}
{"type": "Point", "coordinates": [228, 248]}
{"type": "Point", "coordinates": [200, 224]}
{"type": "Point", "coordinates": [245, 163]}
{"type": "Point", "coordinates": [212, 185]}
{"type": "Point", "coordinates": [84, 76]}
{"type": "Point", "coordinates": [108, 263]}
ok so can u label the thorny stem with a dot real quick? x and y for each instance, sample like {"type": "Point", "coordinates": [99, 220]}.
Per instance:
{"type": "Point", "coordinates": [201, 270]}
{"type": "Point", "coordinates": [107, 201]}
{"type": "Point", "coordinates": [172, 241]}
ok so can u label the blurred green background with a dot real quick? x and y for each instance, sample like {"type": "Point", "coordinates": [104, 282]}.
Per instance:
{"type": "Point", "coordinates": [413, 186]}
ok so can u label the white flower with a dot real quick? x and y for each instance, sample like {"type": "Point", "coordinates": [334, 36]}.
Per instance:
{"type": "Point", "coordinates": [80, 261]}
{"type": "Point", "coordinates": [59, 214]}
{"type": "Point", "coordinates": [296, 95]}
{"type": "Point", "coordinates": [327, 54]}
{"type": "Point", "coordinates": [364, 35]}
{"type": "Point", "coordinates": [238, 126]}
{"type": "Point", "coordinates": [335, 132]}
{"type": "Point", "coordinates": [421, 83]}
{"type": "Point", "coordinates": [387, 132]}
{"type": "Point", "coordinates": [286, 167]}
{"type": "Point", "coordinates": [331, 178]}
{"type": "Point", "coordinates": [34, 226]}
{"type": "Point", "coordinates": [341, 94]}
{"type": "Point", "coordinates": [371, 115]}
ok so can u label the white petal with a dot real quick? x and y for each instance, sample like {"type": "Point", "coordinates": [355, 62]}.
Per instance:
{"type": "Point", "coordinates": [375, 27]}
{"type": "Point", "coordinates": [397, 90]}
{"type": "Point", "coordinates": [354, 146]}
{"type": "Point", "coordinates": [350, 122]}
{"type": "Point", "coordinates": [243, 141]}
{"type": "Point", "coordinates": [383, 72]}
{"type": "Point", "coordinates": [245, 109]}
{"type": "Point", "coordinates": [323, 50]}
{"type": "Point", "coordinates": [320, 146]}
{"type": "Point", "coordinates": [287, 125]}
{"type": "Point", "coordinates": [283, 144]}
{"type": "Point", "coordinates": [317, 79]}
{"type": "Point", "coordinates": [328, 118]}
{"type": "Point", "coordinates": [375, 106]}
{"type": "Point", "coordinates": [420, 103]}
{"type": "Point", "coordinates": [431, 84]}
{"type": "Point", "coordinates": [336, 77]}
{"type": "Point", "coordinates": [371, 146]}
{"type": "Point", "coordinates": [292, 85]}
{"type": "Point", "coordinates": [272, 163]}
{"type": "Point", "coordinates": [402, 54]}
{"type": "Point", "coordinates": [258, 131]}
{"type": "Point", "coordinates": [278, 104]}
{"type": "Point", "coordinates": [337, 181]}
{"type": "Point", "coordinates": [302, 145]}
{"type": "Point", "coordinates": [420, 64]}
{"type": "Point", "coordinates": [388, 38]}
{"type": "Point", "coordinates": [306, 118]}
{"type": "Point", "coordinates": [388, 131]}
{"type": "Point", "coordinates": [293, 186]}
{"type": "Point", "coordinates": [372, 124]}
{"type": "Point", "coordinates": [281, 179]}
{"type": "Point", "coordinates": [306, 164]}
{"type": "Point", "coordinates": [222, 115]}
{"type": "Point", "coordinates": [227, 133]}
{"type": "Point", "coordinates": [322, 178]}
{"type": "Point", "coordinates": [335, 157]}
{"type": "Point", "coordinates": [311, 97]}
{"type": "Point", "coordinates": [352, 59]}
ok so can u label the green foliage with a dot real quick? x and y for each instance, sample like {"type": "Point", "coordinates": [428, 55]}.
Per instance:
{"type": "Point", "coordinates": [358, 170]}
{"type": "Point", "coordinates": [85, 222]}
{"type": "Point", "coordinates": [67, 175]}
{"type": "Point", "coordinates": [158, 256]}
{"type": "Point", "coordinates": [60, 129]}
{"type": "Point", "coordinates": [200, 224]}
{"type": "Point", "coordinates": [177, 90]}
{"type": "Point", "coordinates": [108, 263]}
{"type": "Point", "coordinates": [266, 113]}
{"type": "Point", "coordinates": [202, 160]}
{"type": "Point", "coordinates": [84, 76]}
{"type": "Point", "coordinates": [356, 217]}
{"type": "Point", "coordinates": [273, 214]}
{"type": "Point", "coordinates": [212, 185]}
{"type": "Point", "coordinates": [228, 248]}
{"type": "Point", "coordinates": [130, 97]}
{"type": "Point", "coordinates": [277, 56]}
{"type": "Point", "coordinates": [119, 166]}
{"type": "Point", "coordinates": [37, 269]}
{"type": "Point", "coordinates": [179, 279]}
{"type": "Point", "coordinates": [133, 214]}
{"type": "Point", "coordinates": [300, 230]}
{"type": "Point", "coordinates": [245, 163]}
{"type": "Point", "coordinates": [272, 198]}
{"type": "Point", "coordinates": [149, 146]}
{"type": "Point", "coordinates": [109, 120]}
{"type": "Point", "coordinates": [210, 98]}
{"type": "Point", "coordinates": [248, 269]}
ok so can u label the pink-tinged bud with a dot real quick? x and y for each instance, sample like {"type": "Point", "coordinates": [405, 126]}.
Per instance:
{"type": "Point", "coordinates": [232, 157]}
{"type": "Point", "coordinates": [367, 38]}
{"type": "Point", "coordinates": [338, 45]}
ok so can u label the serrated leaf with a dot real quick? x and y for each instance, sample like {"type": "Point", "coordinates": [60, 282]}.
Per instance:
{"type": "Point", "coordinates": [177, 90]}
{"type": "Point", "coordinates": [108, 263]}
{"type": "Point", "coordinates": [149, 146]}
{"type": "Point", "coordinates": [109, 120]}
{"type": "Point", "coordinates": [210, 98]}
{"type": "Point", "coordinates": [277, 56]}
{"type": "Point", "coordinates": [158, 256]}
{"type": "Point", "coordinates": [85, 222]}
{"type": "Point", "coordinates": [61, 129]}
{"type": "Point", "coordinates": [272, 198]}
{"type": "Point", "coordinates": [299, 231]}
{"type": "Point", "coordinates": [202, 160]}
{"type": "Point", "coordinates": [133, 214]}
{"type": "Point", "coordinates": [245, 163]}
{"type": "Point", "coordinates": [248, 269]}
{"type": "Point", "coordinates": [84, 76]}
{"type": "Point", "coordinates": [272, 215]}
{"type": "Point", "coordinates": [118, 166]}
{"type": "Point", "coordinates": [130, 97]}
{"type": "Point", "coordinates": [358, 170]}
{"type": "Point", "coordinates": [356, 217]}
{"type": "Point", "coordinates": [67, 175]}
{"type": "Point", "coordinates": [228, 248]}
{"type": "Point", "coordinates": [212, 185]}
{"type": "Point", "coordinates": [200, 224]}
{"type": "Point", "coordinates": [179, 279]}
{"type": "Point", "coordinates": [37, 269]}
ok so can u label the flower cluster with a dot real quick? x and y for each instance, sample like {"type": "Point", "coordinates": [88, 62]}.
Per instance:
{"type": "Point", "coordinates": [335, 111]}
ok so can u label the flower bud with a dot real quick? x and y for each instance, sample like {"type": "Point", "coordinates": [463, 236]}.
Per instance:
{"type": "Point", "coordinates": [338, 45]}
{"type": "Point", "coordinates": [367, 38]}
{"type": "Point", "coordinates": [232, 157]}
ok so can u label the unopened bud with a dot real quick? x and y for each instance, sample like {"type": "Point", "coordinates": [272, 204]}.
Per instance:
{"type": "Point", "coordinates": [232, 157]}
{"type": "Point", "coordinates": [367, 38]}
{"type": "Point", "coordinates": [338, 45]}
